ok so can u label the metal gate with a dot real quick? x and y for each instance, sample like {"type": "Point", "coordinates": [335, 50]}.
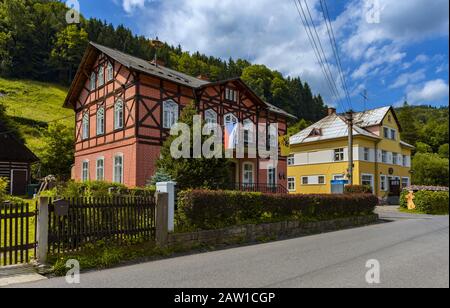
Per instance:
{"type": "Point", "coordinates": [17, 233]}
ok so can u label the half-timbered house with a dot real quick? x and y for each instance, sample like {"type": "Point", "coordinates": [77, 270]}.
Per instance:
{"type": "Point", "coordinates": [125, 106]}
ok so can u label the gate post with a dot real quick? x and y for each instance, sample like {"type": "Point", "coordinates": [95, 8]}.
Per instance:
{"type": "Point", "coordinates": [169, 188]}
{"type": "Point", "coordinates": [161, 221]}
{"type": "Point", "coordinates": [42, 230]}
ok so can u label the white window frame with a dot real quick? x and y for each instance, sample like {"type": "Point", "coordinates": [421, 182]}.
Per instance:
{"type": "Point", "coordinates": [170, 113]}
{"type": "Point", "coordinates": [395, 158]}
{"type": "Point", "coordinates": [386, 133]}
{"type": "Point", "coordinates": [274, 170]}
{"type": "Point", "coordinates": [93, 81]}
{"type": "Point", "coordinates": [109, 72]}
{"type": "Point", "coordinates": [85, 176]}
{"type": "Point", "coordinates": [230, 118]}
{"type": "Point", "coordinates": [372, 181]}
{"type": "Point", "coordinates": [248, 127]}
{"type": "Point", "coordinates": [338, 177]}
{"type": "Point", "coordinates": [272, 135]}
{"type": "Point", "coordinates": [119, 115]}
{"type": "Point", "coordinates": [291, 160]}
{"type": "Point", "coordinates": [121, 180]}
{"type": "Point", "coordinates": [85, 126]}
{"type": "Point", "coordinates": [384, 157]}
{"type": "Point", "coordinates": [408, 180]}
{"type": "Point", "coordinates": [100, 121]}
{"type": "Point", "coordinates": [101, 76]}
{"type": "Point", "coordinates": [211, 117]}
{"type": "Point", "coordinates": [231, 95]}
{"type": "Point", "coordinates": [324, 180]}
{"type": "Point", "coordinates": [244, 172]}
{"type": "Point", "coordinates": [341, 153]}
{"type": "Point", "coordinates": [98, 168]}
{"type": "Point", "coordinates": [366, 154]}
{"type": "Point", "coordinates": [292, 181]}
{"type": "Point", "coordinates": [393, 134]}
{"type": "Point", "coordinates": [307, 180]}
{"type": "Point", "coordinates": [384, 180]}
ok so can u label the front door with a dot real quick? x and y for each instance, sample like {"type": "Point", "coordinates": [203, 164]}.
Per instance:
{"type": "Point", "coordinates": [19, 182]}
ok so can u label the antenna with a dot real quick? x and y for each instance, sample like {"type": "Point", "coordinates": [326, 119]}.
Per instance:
{"type": "Point", "coordinates": [157, 44]}
{"type": "Point", "coordinates": [365, 96]}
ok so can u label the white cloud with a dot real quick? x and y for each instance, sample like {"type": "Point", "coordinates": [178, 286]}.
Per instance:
{"type": "Point", "coordinates": [408, 78]}
{"type": "Point", "coordinates": [130, 5]}
{"type": "Point", "coordinates": [431, 92]}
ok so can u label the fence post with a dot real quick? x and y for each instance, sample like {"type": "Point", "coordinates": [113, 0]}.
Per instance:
{"type": "Point", "coordinates": [42, 230]}
{"type": "Point", "coordinates": [169, 188]}
{"type": "Point", "coordinates": [161, 223]}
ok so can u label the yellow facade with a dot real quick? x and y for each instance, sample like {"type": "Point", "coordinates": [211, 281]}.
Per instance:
{"type": "Point", "coordinates": [374, 169]}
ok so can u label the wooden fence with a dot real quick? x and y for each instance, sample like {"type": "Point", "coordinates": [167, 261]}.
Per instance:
{"type": "Point", "coordinates": [76, 222]}
{"type": "Point", "coordinates": [17, 233]}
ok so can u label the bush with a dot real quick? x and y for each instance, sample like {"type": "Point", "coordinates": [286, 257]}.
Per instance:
{"type": "Point", "coordinates": [432, 202]}
{"type": "Point", "coordinates": [3, 186]}
{"type": "Point", "coordinates": [403, 199]}
{"type": "Point", "coordinates": [217, 209]}
{"type": "Point", "coordinates": [358, 189]}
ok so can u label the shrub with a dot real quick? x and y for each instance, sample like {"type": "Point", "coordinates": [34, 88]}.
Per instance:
{"type": "Point", "coordinates": [432, 202]}
{"type": "Point", "coordinates": [403, 199]}
{"type": "Point", "coordinates": [3, 186]}
{"type": "Point", "coordinates": [216, 209]}
{"type": "Point", "coordinates": [358, 189]}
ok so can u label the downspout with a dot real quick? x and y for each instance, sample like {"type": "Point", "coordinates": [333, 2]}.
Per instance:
{"type": "Point", "coordinates": [377, 175]}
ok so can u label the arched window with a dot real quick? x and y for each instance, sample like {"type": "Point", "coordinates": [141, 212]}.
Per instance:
{"type": "Point", "coordinates": [85, 126]}
{"type": "Point", "coordinates": [93, 81]}
{"type": "Point", "coordinates": [101, 121]}
{"type": "Point", "coordinates": [230, 119]}
{"type": "Point", "coordinates": [109, 72]}
{"type": "Point", "coordinates": [118, 168]}
{"type": "Point", "coordinates": [101, 76]}
{"type": "Point", "coordinates": [100, 169]}
{"type": "Point", "coordinates": [170, 114]}
{"type": "Point", "coordinates": [85, 171]}
{"type": "Point", "coordinates": [210, 117]}
{"type": "Point", "coordinates": [118, 114]}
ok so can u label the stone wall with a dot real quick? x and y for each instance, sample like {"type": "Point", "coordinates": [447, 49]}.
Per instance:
{"type": "Point", "coordinates": [261, 232]}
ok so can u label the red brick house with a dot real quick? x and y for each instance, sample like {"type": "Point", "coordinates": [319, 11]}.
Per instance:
{"type": "Point", "coordinates": [125, 107]}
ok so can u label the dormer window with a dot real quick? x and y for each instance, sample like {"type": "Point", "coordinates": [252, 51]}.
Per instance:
{"type": "Point", "coordinates": [316, 132]}
{"type": "Point", "coordinates": [231, 95]}
{"type": "Point", "coordinates": [93, 81]}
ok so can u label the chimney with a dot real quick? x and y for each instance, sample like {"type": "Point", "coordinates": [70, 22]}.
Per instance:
{"type": "Point", "coordinates": [331, 111]}
{"type": "Point", "coordinates": [203, 77]}
{"type": "Point", "coordinates": [158, 62]}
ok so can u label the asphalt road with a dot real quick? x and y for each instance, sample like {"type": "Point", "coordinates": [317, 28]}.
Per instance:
{"type": "Point", "coordinates": [413, 251]}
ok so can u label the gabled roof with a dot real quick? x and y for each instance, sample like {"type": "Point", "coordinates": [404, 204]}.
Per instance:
{"type": "Point", "coordinates": [13, 150]}
{"type": "Point", "coordinates": [374, 117]}
{"type": "Point", "coordinates": [143, 66]}
{"type": "Point", "coordinates": [332, 127]}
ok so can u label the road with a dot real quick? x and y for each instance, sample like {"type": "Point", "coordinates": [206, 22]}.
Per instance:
{"type": "Point", "coordinates": [413, 251]}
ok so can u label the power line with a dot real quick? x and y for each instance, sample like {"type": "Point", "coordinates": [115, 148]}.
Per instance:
{"type": "Point", "coordinates": [333, 43]}
{"type": "Point", "coordinates": [318, 49]}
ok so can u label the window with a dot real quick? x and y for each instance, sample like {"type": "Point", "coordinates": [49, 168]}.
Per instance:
{"type": "Point", "coordinates": [272, 135]}
{"type": "Point", "coordinates": [405, 161]}
{"type": "Point", "coordinates": [366, 154]}
{"type": "Point", "coordinates": [118, 169]}
{"type": "Point", "coordinates": [321, 180]}
{"type": "Point", "coordinates": [100, 121]}
{"type": "Point", "coordinates": [272, 176]}
{"type": "Point", "coordinates": [291, 184]}
{"type": "Point", "coordinates": [367, 180]}
{"type": "Point", "coordinates": [231, 95]}
{"type": "Point", "coordinates": [339, 155]}
{"type": "Point", "coordinates": [291, 160]}
{"type": "Point", "coordinates": [100, 169]}
{"type": "Point", "coordinates": [386, 132]}
{"type": "Point", "coordinates": [109, 72]}
{"type": "Point", "coordinates": [395, 158]}
{"type": "Point", "coordinates": [93, 81]}
{"type": "Point", "coordinates": [384, 157]}
{"type": "Point", "coordinates": [85, 171]}
{"type": "Point", "coordinates": [383, 183]}
{"type": "Point", "coordinates": [393, 134]}
{"type": "Point", "coordinates": [85, 126]}
{"type": "Point", "coordinates": [305, 180]}
{"type": "Point", "coordinates": [101, 76]}
{"type": "Point", "coordinates": [248, 131]}
{"type": "Point", "coordinates": [210, 117]}
{"type": "Point", "coordinates": [170, 114]}
{"type": "Point", "coordinates": [405, 182]}
{"type": "Point", "coordinates": [247, 177]}
{"type": "Point", "coordinates": [118, 115]}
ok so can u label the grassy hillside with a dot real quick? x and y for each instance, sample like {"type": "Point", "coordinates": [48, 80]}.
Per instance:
{"type": "Point", "coordinates": [32, 105]}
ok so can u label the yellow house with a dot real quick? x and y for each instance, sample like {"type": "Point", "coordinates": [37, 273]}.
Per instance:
{"type": "Point", "coordinates": [319, 154]}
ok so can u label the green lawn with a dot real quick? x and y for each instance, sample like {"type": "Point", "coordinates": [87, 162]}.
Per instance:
{"type": "Point", "coordinates": [32, 105]}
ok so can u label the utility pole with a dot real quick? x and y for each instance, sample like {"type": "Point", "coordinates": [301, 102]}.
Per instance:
{"type": "Point", "coordinates": [349, 118]}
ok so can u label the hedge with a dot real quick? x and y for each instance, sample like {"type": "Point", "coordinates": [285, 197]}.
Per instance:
{"type": "Point", "coordinates": [429, 202]}
{"type": "Point", "coordinates": [358, 189]}
{"type": "Point", "coordinates": [203, 209]}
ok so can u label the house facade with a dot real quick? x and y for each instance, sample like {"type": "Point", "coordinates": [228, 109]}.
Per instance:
{"type": "Point", "coordinates": [125, 106]}
{"type": "Point", "coordinates": [15, 162]}
{"type": "Point", "coordinates": [320, 154]}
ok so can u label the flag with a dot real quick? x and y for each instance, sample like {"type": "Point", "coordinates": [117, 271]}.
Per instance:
{"type": "Point", "coordinates": [230, 135]}
{"type": "Point", "coordinates": [284, 145]}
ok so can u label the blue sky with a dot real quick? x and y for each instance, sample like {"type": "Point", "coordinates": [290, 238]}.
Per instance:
{"type": "Point", "coordinates": [400, 51]}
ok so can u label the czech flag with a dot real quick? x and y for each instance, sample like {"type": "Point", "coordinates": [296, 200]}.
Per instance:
{"type": "Point", "coordinates": [230, 135]}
